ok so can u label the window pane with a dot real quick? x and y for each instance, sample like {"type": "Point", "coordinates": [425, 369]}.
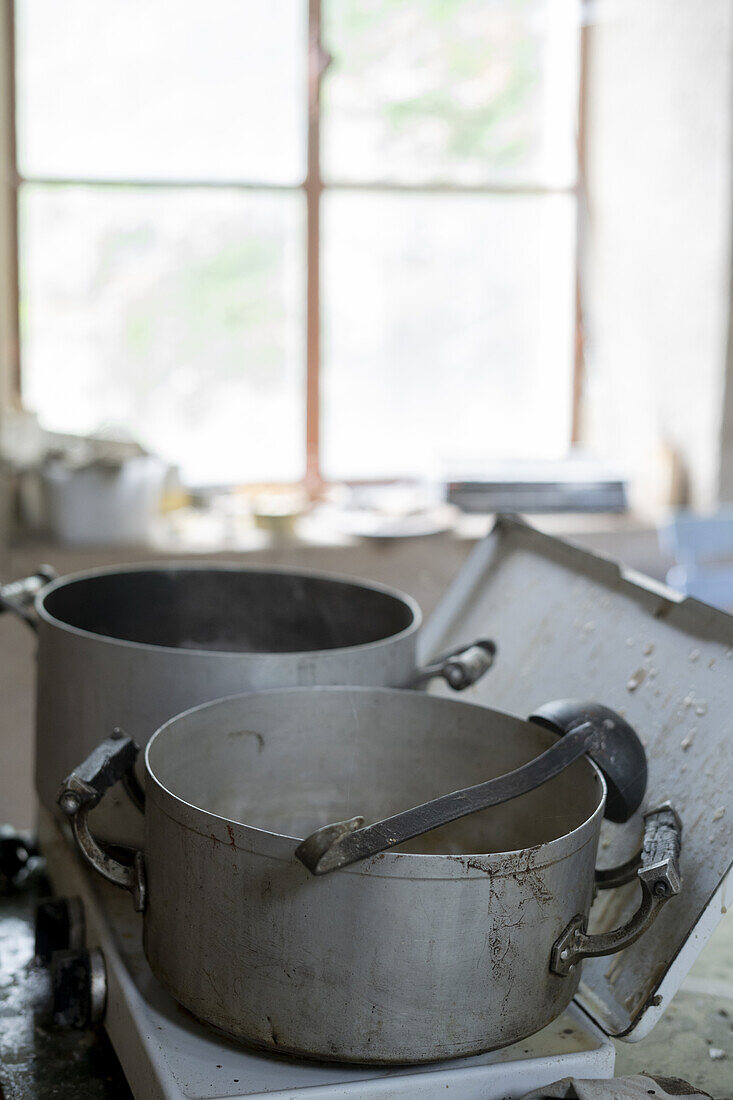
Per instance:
{"type": "Point", "coordinates": [448, 331]}
{"type": "Point", "coordinates": [162, 88]}
{"type": "Point", "coordinates": [172, 316]}
{"type": "Point", "coordinates": [463, 91]}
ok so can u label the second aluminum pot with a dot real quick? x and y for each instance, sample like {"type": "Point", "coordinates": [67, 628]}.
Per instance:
{"type": "Point", "coordinates": [131, 647]}
{"type": "Point", "coordinates": [432, 951]}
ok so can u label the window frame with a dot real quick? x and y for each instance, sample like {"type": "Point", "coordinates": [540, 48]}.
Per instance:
{"type": "Point", "coordinates": [312, 187]}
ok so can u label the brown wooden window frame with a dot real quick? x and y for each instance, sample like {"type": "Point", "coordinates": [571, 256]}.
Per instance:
{"type": "Point", "coordinates": [313, 188]}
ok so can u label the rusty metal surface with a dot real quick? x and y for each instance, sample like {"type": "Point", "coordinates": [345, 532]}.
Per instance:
{"type": "Point", "coordinates": [569, 623]}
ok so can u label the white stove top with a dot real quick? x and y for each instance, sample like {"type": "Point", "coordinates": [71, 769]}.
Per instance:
{"type": "Point", "coordinates": [167, 1055]}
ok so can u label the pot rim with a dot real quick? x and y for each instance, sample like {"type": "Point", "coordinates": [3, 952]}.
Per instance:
{"type": "Point", "coordinates": [225, 567]}
{"type": "Point", "coordinates": [392, 864]}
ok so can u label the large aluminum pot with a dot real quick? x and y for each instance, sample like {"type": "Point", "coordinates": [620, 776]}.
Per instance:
{"type": "Point", "coordinates": [451, 946]}
{"type": "Point", "coordinates": [133, 646]}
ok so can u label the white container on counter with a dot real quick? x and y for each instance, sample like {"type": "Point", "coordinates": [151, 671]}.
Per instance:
{"type": "Point", "coordinates": [104, 504]}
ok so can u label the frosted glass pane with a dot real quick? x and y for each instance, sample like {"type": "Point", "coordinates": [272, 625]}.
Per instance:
{"type": "Point", "coordinates": [174, 317]}
{"type": "Point", "coordinates": [468, 91]}
{"type": "Point", "coordinates": [162, 88]}
{"type": "Point", "coordinates": [448, 331]}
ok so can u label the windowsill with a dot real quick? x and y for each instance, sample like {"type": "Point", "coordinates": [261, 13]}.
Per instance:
{"type": "Point", "coordinates": [627, 538]}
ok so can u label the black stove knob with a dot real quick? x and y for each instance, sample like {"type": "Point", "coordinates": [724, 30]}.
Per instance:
{"type": "Point", "coordinates": [16, 858]}
{"type": "Point", "coordinates": [78, 988]}
{"type": "Point", "coordinates": [59, 927]}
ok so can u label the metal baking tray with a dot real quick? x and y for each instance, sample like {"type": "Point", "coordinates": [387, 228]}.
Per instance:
{"type": "Point", "coordinates": [568, 623]}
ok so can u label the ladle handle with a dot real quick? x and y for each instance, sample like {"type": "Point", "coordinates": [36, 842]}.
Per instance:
{"type": "Point", "coordinates": [659, 878]}
{"type": "Point", "coordinates": [82, 790]}
{"type": "Point", "coordinates": [17, 596]}
{"type": "Point", "coordinates": [585, 728]}
{"type": "Point", "coordinates": [339, 845]}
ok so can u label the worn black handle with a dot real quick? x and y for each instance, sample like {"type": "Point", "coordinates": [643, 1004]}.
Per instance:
{"type": "Point", "coordinates": [619, 753]}
{"type": "Point", "coordinates": [80, 793]}
{"type": "Point", "coordinates": [658, 876]}
{"type": "Point", "coordinates": [662, 840]}
{"type": "Point", "coordinates": [107, 764]}
{"type": "Point", "coordinates": [661, 846]}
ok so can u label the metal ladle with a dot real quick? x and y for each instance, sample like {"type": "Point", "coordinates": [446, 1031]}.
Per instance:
{"type": "Point", "coordinates": [585, 729]}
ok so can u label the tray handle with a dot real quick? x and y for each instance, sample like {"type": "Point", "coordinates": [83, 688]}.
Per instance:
{"type": "Point", "coordinates": [659, 877]}
{"type": "Point", "coordinates": [82, 790]}
{"type": "Point", "coordinates": [461, 667]}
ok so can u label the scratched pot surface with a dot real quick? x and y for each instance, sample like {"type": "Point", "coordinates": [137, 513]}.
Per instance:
{"type": "Point", "coordinates": [424, 949]}
{"type": "Point", "coordinates": [39, 1064]}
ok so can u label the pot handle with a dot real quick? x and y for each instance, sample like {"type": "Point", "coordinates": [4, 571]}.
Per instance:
{"type": "Point", "coordinates": [17, 596]}
{"type": "Point", "coordinates": [659, 877]}
{"type": "Point", "coordinates": [80, 793]}
{"type": "Point", "coordinates": [461, 667]}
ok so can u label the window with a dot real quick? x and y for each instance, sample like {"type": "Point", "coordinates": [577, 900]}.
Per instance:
{"type": "Point", "coordinates": [275, 239]}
